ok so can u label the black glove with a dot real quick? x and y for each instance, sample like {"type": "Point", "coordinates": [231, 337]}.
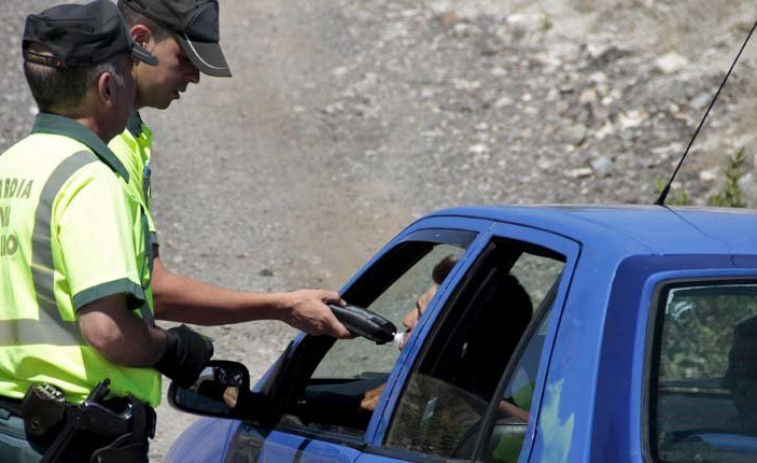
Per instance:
{"type": "Point", "coordinates": [186, 354]}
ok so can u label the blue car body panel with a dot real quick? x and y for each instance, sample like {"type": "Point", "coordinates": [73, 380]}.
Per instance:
{"type": "Point", "coordinates": [589, 400]}
{"type": "Point", "coordinates": [204, 441]}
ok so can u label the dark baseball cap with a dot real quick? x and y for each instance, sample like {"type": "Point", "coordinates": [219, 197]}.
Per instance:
{"type": "Point", "coordinates": [80, 35]}
{"type": "Point", "coordinates": [195, 23]}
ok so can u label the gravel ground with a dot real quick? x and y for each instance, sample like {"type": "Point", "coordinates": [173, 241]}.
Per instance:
{"type": "Point", "coordinates": [346, 120]}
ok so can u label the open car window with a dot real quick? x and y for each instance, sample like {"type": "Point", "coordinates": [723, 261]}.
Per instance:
{"type": "Point", "coordinates": [358, 357]}
{"type": "Point", "coordinates": [335, 395]}
{"type": "Point", "coordinates": [703, 391]}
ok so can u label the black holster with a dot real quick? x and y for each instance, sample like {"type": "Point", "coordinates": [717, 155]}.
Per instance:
{"type": "Point", "coordinates": [98, 430]}
{"type": "Point", "coordinates": [44, 411]}
{"type": "Point", "coordinates": [131, 446]}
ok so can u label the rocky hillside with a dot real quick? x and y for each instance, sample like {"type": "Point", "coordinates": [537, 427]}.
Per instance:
{"type": "Point", "coordinates": [572, 101]}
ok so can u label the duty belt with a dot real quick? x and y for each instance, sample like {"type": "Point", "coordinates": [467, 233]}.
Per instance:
{"type": "Point", "coordinates": [52, 423]}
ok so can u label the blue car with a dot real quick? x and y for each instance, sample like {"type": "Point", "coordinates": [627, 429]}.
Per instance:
{"type": "Point", "coordinates": [524, 334]}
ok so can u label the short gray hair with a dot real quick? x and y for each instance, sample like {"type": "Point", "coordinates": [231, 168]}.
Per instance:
{"type": "Point", "coordinates": [62, 90]}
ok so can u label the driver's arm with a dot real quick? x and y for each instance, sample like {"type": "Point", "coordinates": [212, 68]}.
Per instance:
{"type": "Point", "coordinates": [371, 398]}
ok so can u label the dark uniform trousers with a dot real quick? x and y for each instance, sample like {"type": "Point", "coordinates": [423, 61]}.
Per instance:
{"type": "Point", "coordinates": [14, 447]}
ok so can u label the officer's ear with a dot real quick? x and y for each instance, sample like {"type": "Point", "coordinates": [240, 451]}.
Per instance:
{"type": "Point", "coordinates": [106, 87]}
{"type": "Point", "coordinates": [142, 35]}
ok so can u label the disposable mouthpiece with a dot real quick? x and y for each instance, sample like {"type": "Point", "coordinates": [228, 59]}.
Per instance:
{"type": "Point", "coordinates": [399, 340]}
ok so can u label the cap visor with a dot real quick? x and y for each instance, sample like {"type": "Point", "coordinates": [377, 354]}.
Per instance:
{"type": "Point", "coordinates": [143, 55]}
{"type": "Point", "coordinates": [207, 56]}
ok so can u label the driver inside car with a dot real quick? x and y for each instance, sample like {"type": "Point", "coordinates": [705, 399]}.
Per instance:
{"type": "Point", "coordinates": [438, 274]}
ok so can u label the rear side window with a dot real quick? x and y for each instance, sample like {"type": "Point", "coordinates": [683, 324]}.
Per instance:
{"type": "Point", "coordinates": [703, 393]}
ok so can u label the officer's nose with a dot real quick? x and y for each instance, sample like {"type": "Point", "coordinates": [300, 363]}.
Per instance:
{"type": "Point", "coordinates": [193, 76]}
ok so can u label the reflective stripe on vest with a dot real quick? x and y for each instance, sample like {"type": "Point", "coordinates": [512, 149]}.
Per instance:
{"type": "Point", "coordinates": [50, 328]}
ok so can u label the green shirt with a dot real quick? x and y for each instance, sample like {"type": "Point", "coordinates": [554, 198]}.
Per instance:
{"type": "Point", "coordinates": [69, 235]}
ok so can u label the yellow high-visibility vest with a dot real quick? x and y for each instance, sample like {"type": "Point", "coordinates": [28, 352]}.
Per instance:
{"type": "Point", "coordinates": [133, 147]}
{"type": "Point", "coordinates": [70, 235]}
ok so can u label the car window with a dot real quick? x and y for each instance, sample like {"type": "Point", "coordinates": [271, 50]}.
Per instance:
{"type": "Point", "coordinates": [454, 382]}
{"type": "Point", "coordinates": [358, 357]}
{"type": "Point", "coordinates": [345, 385]}
{"type": "Point", "coordinates": [703, 396]}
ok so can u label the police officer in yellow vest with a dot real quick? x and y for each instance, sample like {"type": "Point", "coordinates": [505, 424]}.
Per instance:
{"type": "Point", "coordinates": [184, 35]}
{"type": "Point", "coordinates": [75, 257]}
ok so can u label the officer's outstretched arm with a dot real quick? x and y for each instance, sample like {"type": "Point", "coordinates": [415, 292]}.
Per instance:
{"type": "Point", "coordinates": [119, 335]}
{"type": "Point", "coordinates": [182, 299]}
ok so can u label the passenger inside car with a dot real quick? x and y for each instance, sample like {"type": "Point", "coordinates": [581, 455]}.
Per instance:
{"type": "Point", "coordinates": [504, 311]}
{"type": "Point", "coordinates": [741, 377]}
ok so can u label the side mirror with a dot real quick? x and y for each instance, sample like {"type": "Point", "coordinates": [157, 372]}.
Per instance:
{"type": "Point", "coordinates": [222, 390]}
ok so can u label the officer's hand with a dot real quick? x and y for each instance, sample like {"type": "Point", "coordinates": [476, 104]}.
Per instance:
{"type": "Point", "coordinates": [185, 356]}
{"type": "Point", "coordinates": [306, 310]}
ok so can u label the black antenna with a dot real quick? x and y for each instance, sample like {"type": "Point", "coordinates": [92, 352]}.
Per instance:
{"type": "Point", "coordinates": [664, 194]}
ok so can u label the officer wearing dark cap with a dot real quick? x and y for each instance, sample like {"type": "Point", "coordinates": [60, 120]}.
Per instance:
{"type": "Point", "coordinates": [195, 24]}
{"type": "Point", "coordinates": [184, 35]}
{"type": "Point", "coordinates": [80, 356]}
{"type": "Point", "coordinates": [93, 34]}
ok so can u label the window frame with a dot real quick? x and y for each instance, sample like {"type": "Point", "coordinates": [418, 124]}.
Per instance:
{"type": "Point", "coordinates": [571, 250]}
{"type": "Point", "coordinates": [655, 323]}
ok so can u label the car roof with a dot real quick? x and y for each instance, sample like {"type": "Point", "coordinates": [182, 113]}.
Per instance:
{"type": "Point", "coordinates": [661, 230]}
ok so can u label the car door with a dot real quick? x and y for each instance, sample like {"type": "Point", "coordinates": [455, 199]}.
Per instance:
{"type": "Point", "coordinates": [472, 388]}
{"type": "Point", "coordinates": [323, 419]}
